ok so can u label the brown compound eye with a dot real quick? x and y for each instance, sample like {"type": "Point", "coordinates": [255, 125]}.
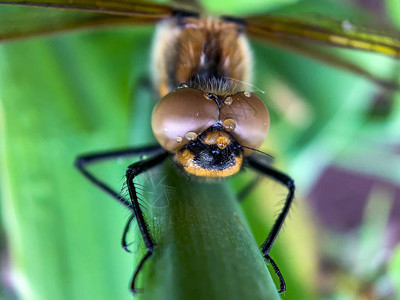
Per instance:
{"type": "Point", "coordinates": [181, 115]}
{"type": "Point", "coordinates": [246, 117]}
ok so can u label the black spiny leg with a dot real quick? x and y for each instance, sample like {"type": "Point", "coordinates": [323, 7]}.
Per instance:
{"type": "Point", "coordinates": [82, 161]}
{"type": "Point", "coordinates": [289, 183]}
{"type": "Point", "coordinates": [133, 171]}
{"type": "Point", "coordinates": [124, 244]}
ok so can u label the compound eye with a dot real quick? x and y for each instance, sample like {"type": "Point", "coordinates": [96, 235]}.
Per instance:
{"type": "Point", "coordinates": [246, 117]}
{"type": "Point", "coordinates": [181, 116]}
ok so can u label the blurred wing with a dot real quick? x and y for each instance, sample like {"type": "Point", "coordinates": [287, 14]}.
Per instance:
{"type": "Point", "coordinates": [20, 22]}
{"type": "Point", "coordinates": [324, 31]}
{"type": "Point", "coordinates": [335, 61]}
{"type": "Point", "coordinates": [121, 7]}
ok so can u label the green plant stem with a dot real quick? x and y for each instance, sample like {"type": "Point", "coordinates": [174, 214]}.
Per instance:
{"type": "Point", "coordinates": [205, 249]}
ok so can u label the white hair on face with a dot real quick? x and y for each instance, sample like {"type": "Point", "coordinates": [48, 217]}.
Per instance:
{"type": "Point", "coordinates": [221, 86]}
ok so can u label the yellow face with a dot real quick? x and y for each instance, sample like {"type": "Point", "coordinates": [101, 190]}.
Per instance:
{"type": "Point", "coordinates": [214, 155]}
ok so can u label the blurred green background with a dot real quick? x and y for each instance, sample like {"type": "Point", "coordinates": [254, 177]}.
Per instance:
{"type": "Point", "coordinates": [335, 133]}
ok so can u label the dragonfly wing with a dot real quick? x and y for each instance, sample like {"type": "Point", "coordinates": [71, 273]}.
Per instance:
{"type": "Point", "coordinates": [334, 60]}
{"type": "Point", "coordinates": [325, 31]}
{"type": "Point", "coordinates": [20, 22]}
{"type": "Point", "coordinates": [133, 8]}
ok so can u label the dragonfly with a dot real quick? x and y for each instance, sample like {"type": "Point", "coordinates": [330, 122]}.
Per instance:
{"type": "Point", "coordinates": [219, 142]}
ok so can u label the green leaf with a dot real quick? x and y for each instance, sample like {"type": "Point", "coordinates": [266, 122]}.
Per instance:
{"type": "Point", "coordinates": [59, 98]}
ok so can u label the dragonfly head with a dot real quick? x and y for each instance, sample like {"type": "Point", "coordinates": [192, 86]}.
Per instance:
{"type": "Point", "coordinates": [210, 134]}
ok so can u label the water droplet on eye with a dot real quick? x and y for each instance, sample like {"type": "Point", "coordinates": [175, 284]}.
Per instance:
{"type": "Point", "coordinates": [229, 125]}
{"type": "Point", "coordinates": [228, 100]}
{"type": "Point", "coordinates": [182, 86]}
{"type": "Point", "coordinates": [247, 93]}
{"type": "Point", "coordinates": [179, 139]}
{"type": "Point", "coordinates": [222, 142]}
{"type": "Point", "coordinates": [191, 136]}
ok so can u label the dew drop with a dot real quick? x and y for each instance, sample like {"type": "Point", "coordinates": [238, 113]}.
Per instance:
{"type": "Point", "coordinates": [228, 100]}
{"type": "Point", "coordinates": [179, 139]}
{"type": "Point", "coordinates": [347, 26]}
{"type": "Point", "coordinates": [182, 86]}
{"type": "Point", "coordinates": [247, 93]}
{"type": "Point", "coordinates": [229, 125]}
{"type": "Point", "coordinates": [222, 142]}
{"type": "Point", "coordinates": [191, 136]}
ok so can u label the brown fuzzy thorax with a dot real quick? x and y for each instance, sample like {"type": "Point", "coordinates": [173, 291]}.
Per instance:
{"type": "Point", "coordinates": [199, 51]}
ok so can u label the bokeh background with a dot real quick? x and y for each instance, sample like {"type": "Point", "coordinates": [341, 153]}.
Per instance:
{"type": "Point", "coordinates": [335, 133]}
